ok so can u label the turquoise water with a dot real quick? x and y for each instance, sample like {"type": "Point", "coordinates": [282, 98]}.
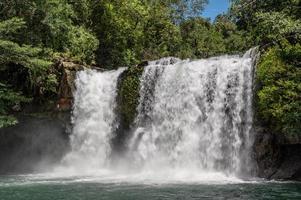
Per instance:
{"type": "Point", "coordinates": [76, 188]}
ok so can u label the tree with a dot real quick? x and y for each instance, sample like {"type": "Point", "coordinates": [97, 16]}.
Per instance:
{"type": "Point", "coordinates": [200, 39]}
{"type": "Point", "coordinates": [161, 36]}
{"type": "Point", "coordinates": [235, 41]}
{"type": "Point", "coordinates": [51, 24]}
{"type": "Point", "coordinates": [279, 95]}
{"type": "Point", "coordinates": [118, 26]}
{"type": "Point", "coordinates": [277, 26]}
{"type": "Point", "coordinates": [29, 60]}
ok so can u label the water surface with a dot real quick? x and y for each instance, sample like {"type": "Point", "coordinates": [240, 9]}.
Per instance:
{"type": "Point", "coordinates": [34, 187]}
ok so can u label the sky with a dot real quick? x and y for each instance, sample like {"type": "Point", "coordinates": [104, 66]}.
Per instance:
{"type": "Point", "coordinates": [215, 7]}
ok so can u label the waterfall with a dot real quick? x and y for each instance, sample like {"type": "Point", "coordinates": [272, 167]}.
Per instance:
{"type": "Point", "coordinates": [93, 119]}
{"type": "Point", "coordinates": [196, 115]}
{"type": "Point", "coordinates": [193, 116]}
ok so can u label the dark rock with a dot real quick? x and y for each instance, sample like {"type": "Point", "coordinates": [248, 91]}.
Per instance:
{"type": "Point", "coordinates": [35, 143]}
{"type": "Point", "coordinates": [290, 166]}
{"type": "Point", "coordinates": [278, 157]}
{"type": "Point", "coordinates": [267, 153]}
{"type": "Point", "coordinates": [66, 89]}
{"type": "Point", "coordinates": [167, 61]}
{"type": "Point", "coordinates": [68, 70]}
{"type": "Point", "coordinates": [289, 139]}
{"type": "Point", "coordinates": [127, 102]}
{"type": "Point", "coordinates": [143, 63]}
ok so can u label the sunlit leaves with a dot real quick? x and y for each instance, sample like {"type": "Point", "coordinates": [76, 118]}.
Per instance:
{"type": "Point", "coordinates": [275, 26]}
{"type": "Point", "coordinates": [82, 44]}
{"type": "Point", "coordinates": [279, 100]}
{"type": "Point", "coordinates": [11, 26]}
{"type": "Point", "coordinates": [201, 38]}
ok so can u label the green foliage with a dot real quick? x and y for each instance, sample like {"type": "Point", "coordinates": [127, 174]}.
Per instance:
{"type": "Point", "coordinates": [30, 31]}
{"type": "Point", "coordinates": [244, 12]}
{"type": "Point", "coordinates": [11, 26]}
{"type": "Point", "coordinates": [118, 25]}
{"type": "Point", "coordinates": [276, 26]}
{"type": "Point", "coordinates": [51, 24]}
{"type": "Point", "coordinates": [82, 11]}
{"type": "Point", "coordinates": [268, 21]}
{"type": "Point", "coordinates": [65, 35]}
{"type": "Point", "coordinates": [24, 56]}
{"type": "Point", "coordinates": [279, 102]}
{"type": "Point", "coordinates": [291, 54]}
{"type": "Point", "coordinates": [130, 31]}
{"type": "Point", "coordinates": [184, 9]}
{"type": "Point", "coordinates": [235, 41]}
{"type": "Point", "coordinates": [128, 95]}
{"type": "Point", "coordinates": [8, 99]}
{"type": "Point", "coordinates": [161, 36]}
{"type": "Point", "coordinates": [82, 44]}
{"type": "Point", "coordinates": [29, 59]}
{"type": "Point", "coordinates": [6, 120]}
{"type": "Point", "coordinates": [58, 18]}
{"type": "Point", "coordinates": [201, 39]}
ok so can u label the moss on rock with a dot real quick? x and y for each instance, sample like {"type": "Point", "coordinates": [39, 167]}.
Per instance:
{"type": "Point", "coordinates": [128, 95]}
{"type": "Point", "coordinates": [127, 103]}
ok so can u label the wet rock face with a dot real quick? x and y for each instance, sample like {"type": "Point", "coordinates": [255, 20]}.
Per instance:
{"type": "Point", "coordinates": [67, 73]}
{"type": "Point", "coordinates": [278, 156]}
{"type": "Point", "coordinates": [127, 103]}
{"type": "Point", "coordinates": [67, 86]}
{"type": "Point", "coordinates": [33, 144]}
{"type": "Point", "coordinates": [267, 152]}
{"type": "Point", "coordinates": [290, 166]}
{"type": "Point", "coordinates": [289, 139]}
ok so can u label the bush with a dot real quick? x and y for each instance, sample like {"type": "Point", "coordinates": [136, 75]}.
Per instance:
{"type": "Point", "coordinates": [279, 100]}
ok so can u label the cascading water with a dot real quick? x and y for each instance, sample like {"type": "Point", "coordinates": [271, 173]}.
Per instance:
{"type": "Point", "coordinates": [194, 118]}
{"type": "Point", "coordinates": [196, 115]}
{"type": "Point", "coordinates": [93, 119]}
